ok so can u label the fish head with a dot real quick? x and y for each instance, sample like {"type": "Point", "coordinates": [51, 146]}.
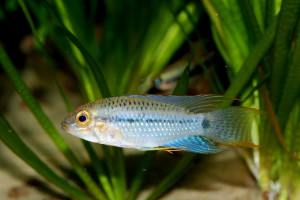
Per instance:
{"type": "Point", "coordinates": [81, 123]}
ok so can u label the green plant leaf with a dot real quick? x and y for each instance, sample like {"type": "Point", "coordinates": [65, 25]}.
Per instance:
{"type": "Point", "coordinates": [185, 162]}
{"type": "Point", "coordinates": [98, 167]}
{"type": "Point", "coordinates": [213, 85]}
{"type": "Point", "coordinates": [228, 20]}
{"type": "Point", "coordinates": [251, 19]}
{"type": "Point", "coordinates": [45, 122]}
{"type": "Point", "coordinates": [140, 174]}
{"type": "Point", "coordinates": [183, 83]}
{"type": "Point", "coordinates": [162, 40]}
{"type": "Point", "coordinates": [173, 176]}
{"type": "Point", "coordinates": [118, 171]}
{"type": "Point", "coordinates": [291, 87]}
{"type": "Point", "coordinates": [99, 77]}
{"type": "Point", "coordinates": [10, 138]}
{"type": "Point", "coordinates": [48, 58]}
{"type": "Point", "coordinates": [288, 16]}
{"type": "Point", "coordinates": [251, 62]}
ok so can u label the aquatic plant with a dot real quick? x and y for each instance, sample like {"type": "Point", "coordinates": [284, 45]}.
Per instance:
{"type": "Point", "coordinates": [259, 41]}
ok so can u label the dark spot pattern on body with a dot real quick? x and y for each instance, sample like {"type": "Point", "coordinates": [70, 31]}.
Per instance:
{"type": "Point", "coordinates": [205, 124]}
{"type": "Point", "coordinates": [141, 118]}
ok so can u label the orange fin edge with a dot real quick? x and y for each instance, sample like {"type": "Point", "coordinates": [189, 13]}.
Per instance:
{"type": "Point", "coordinates": [240, 144]}
{"type": "Point", "coordinates": [168, 149]}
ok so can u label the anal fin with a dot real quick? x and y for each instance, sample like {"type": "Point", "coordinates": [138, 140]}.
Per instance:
{"type": "Point", "coordinates": [168, 149]}
{"type": "Point", "coordinates": [197, 144]}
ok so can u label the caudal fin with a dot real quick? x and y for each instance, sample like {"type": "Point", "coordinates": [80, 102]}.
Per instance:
{"type": "Point", "coordinates": [230, 126]}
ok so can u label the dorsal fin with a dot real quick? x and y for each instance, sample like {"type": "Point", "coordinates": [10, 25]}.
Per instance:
{"type": "Point", "coordinates": [194, 104]}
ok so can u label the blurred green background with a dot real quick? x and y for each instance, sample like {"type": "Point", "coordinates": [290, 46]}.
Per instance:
{"type": "Point", "coordinates": [243, 49]}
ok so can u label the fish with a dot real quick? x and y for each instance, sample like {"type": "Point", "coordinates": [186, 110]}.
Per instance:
{"type": "Point", "coordinates": [166, 80]}
{"type": "Point", "coordinates": [163, 122]}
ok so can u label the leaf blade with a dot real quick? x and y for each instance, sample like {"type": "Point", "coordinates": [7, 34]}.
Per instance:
{"type": "Point", "coordinates": [10, 138]}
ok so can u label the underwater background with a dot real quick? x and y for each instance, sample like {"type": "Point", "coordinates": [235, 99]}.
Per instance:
{"type": "Point", "coordinates": [56, 55]}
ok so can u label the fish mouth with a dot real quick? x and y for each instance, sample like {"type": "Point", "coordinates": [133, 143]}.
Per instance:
{"type": "Point", "coordinates": [65, 126]}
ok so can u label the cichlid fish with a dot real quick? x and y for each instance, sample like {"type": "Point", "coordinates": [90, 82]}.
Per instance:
{"type": "Point", "coordinates": [167, 79]}
{"type": "Point", "coordinates": [156, 122]}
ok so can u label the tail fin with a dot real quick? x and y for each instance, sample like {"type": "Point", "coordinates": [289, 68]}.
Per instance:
{"type": "Point", "coordinates": [230, 126]}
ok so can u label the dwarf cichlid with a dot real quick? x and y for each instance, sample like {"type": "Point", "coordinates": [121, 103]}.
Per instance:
{"type": "Point", "coordinates": [156, 122]}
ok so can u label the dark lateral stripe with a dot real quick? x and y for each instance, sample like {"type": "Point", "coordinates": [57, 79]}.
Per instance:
{"type": "Point", "coordinates": [133, 120]}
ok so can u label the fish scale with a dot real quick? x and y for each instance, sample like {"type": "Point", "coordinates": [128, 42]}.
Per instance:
{"type": "Point", "coordinates": [147, 122]}
{"type": "Point", "coordinates": [146, 125]}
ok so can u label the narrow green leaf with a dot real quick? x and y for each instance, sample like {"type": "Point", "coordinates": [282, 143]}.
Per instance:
{"type": "Point", "coordinates": [213, 85]}
{"type": "Point", "coordinates": [251, 19]}
{"type": "Point", "coordinates": [49, 60]}
{"type": "Point", "coordinates": [272, 9]}
{"type": "Point", "coordinates": [291, 87]}
{"type": "Point", "coordinates": [119, 171]}
{"type": "Point", "coordinates": [233, 25]}
{"type": "Point", "coordinates": [163, 42]}
{"type": "Point", "coordinates": [96, 162]}
{"type": "Point", "coordinates": [259, 9]}
{"type": "Point", "coordinates": [180, 89]}
{"type": "Point", "coordinates": [99, 77]}
{"type": "Point", "coordinates": [288, 17]}
{"type": "Point", "coordinates": [92, 63]}
{"type": "Point", "coordinates": [216, 20]}
{"type": "Point", "coordinates": [45, 122]}
{"type": "Point", "coordinates": [140, 174]}
{"type": "Point", "coordinates": [110, 162]}
{"type": "Point", "coordinates": [185, 162]}
{"type": "Point", "coordinates": [98, 166]}
{"type": "Point", "coordinates": [10, 138]}
{"type": "Point", "coordinates": [203, 48]}
{"type": "Point", "coordinates": [251, 62]}
{"type": "Point", "coordinates": [223, 51]}
{"type": "Point", "coordinates": [233, 36]}
{"type": "Point", "coordinates": [183, 83]}
{"type": "Point", "coordinates": [173, 176]}
{"type": "Point", "coordinates": [74, 18]}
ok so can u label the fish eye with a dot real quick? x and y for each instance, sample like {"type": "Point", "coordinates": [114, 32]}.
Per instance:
{"type": "Point", "coordinates": [157, 81]}
{"type": "Point", "coordinates": [83, 117]}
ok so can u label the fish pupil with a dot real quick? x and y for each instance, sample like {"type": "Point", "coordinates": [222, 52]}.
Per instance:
{"type": "Point", "coordinates": [82, 118]}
